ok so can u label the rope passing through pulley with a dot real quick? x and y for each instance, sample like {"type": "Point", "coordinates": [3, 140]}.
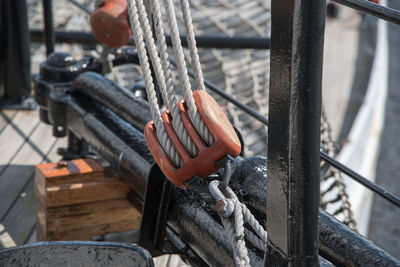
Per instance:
{"type": "Point", "coordinates": [193, 137]}
{"type": "Point", "coordinates": [193, 134]}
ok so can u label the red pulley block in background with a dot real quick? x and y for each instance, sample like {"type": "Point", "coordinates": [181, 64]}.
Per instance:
{"type": "Point", "coordinates": [226, 141]}
{"type": "Point", "coordinates": [110, 23]}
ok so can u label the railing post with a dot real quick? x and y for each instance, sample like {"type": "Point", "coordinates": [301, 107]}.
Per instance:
{"type": "Point", "coordinates": [294, 132]}
{"type": "Point", "coordinates": [15, 65]}
{"type": "Point", "coordinates": [49, 36]}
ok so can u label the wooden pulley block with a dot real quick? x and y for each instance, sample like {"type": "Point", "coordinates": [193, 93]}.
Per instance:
{"type": "Point", "coordinates": [226, 141]}
{"type": "Point", "coordinates": [110, 23]}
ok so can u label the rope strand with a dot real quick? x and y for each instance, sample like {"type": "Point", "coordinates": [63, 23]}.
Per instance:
{"type": "Point", "coordinates": [148, 80]}
{"type": "Point", "coordinates": [183, 76]}
{"type": "Point", "coordinates": [168, 95]}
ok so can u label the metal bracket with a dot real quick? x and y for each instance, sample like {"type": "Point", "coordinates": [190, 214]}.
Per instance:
{"type": "Point", "coordinates": [155, 212]}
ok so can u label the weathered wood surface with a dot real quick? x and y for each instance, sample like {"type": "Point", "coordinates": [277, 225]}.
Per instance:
{"type": "Point", "coordinates": [75, 201]}
{"type": "Point", "coordinates": [74, 171]}
{"type": "Point", "coordinates": [24, 142]}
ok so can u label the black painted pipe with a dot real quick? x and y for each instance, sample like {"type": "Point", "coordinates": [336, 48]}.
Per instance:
{"type": "Point", "coordinates": [122, 157]}
{"type": "Point", "coordinates": [48, 35]}
{"type": "Point", "coordinates": [207, 41]}
{"type": "Point", "coordinates": [373, 9]}
{"type": "Point", "coordinates": [118, 99]}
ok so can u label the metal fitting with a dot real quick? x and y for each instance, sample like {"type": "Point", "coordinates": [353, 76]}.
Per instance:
{"type": "Point", "coordinates": [62, 164]}
{"type": "Point", "coordinates": [224, 207]}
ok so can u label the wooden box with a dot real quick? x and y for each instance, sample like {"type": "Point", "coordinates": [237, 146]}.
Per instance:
{"type": "Point", "coordinates": [76, 202]}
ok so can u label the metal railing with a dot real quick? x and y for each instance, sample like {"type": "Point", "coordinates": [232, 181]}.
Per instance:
{"type": "Point", "coordinates": [293, 125]}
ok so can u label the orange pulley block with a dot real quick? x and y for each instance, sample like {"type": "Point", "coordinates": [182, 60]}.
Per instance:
{"type": "Point", "coordinates": [110, 23]}
{"type": "Point", "coordinates": [226, 141]}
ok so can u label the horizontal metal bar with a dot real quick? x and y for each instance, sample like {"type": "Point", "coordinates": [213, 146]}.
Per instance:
{"type": "Point", "coordinates": [36, 35]}
{"type": "Point", "coordinates": [362, 180]}
{"type": "Point", "coordinates": [213, 87]}
{"type": "Point", "coordinates": [210, 41]}
{"type": "Point", "coordinates": [223, 42]}
{"type": "Point", "coordinates": [373, 9]}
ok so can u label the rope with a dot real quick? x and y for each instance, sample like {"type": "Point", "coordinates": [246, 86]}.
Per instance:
{"type": "Point", "coordinates": [168, 95]}
{"type": "Point", "coordinates": [182, 73]}
{"type": "Point", "coordinates": [142, 30]}
{"type": "Point", "coordinates": [194, 55]}
{"type": "Point", "coordinates": [148, 80]}
{"type": "Point", "coordinates": [233, 221]}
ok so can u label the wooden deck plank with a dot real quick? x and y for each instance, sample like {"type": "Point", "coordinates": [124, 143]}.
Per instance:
{"type": "Point", "coordinates": [6, 116]}
{"type": "Point", "coordinates": [21, 219]}
{"type": "Point", "coordinates": [21, 169]}
{"type": "Point", "coordinates": [15, 134]}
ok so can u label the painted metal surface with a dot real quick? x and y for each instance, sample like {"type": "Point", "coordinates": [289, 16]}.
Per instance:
{"type": "Point", "coordinates": [76, 253]}
{"type": "Point", "coordinates": [49, 36]}
{"type": "Point", "coordinates": [374, 9]}
{"type": "Point", "coordinates": [15, 77]}
{"type": "Point", "coordinates": [294, 132]}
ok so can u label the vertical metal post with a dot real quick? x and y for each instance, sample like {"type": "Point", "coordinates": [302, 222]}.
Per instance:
{"type": "Point", "coordinates": [294, 132]}
{"type": "Point", "coordinates": [15, 68]}
{"type": "Point", "coordinates": [49, 36]}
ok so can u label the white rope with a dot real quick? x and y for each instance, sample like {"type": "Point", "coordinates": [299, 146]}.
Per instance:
{"type": "Point", "coordinates": [143, 33]}
{"type": "Point", "coordinates": [148, 80]}
{"type": "Point", "coordinates": [182, 73]}
{"type": "Point", "coordinates": [233, 222]}
{"type": "Point", "coordinates": [168, 95]}
{"type": "Point", "coordinates": [194, 55]}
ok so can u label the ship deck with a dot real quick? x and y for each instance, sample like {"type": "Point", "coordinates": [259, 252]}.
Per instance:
{"type": "Point", "coordinates": [26, 142]}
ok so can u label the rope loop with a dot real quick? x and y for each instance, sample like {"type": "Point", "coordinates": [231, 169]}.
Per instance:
{"type": "Point", "coordinates": [233, 221]}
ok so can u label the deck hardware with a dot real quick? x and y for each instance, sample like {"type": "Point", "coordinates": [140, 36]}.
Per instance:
{"type": "Point", "coordinates": [205, 163]}
{"type": "Point", "coordinates": [109, 23]}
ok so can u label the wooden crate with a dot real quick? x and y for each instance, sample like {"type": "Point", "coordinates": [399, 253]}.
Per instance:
{"type": "Point", "coordinates": [76, 202]}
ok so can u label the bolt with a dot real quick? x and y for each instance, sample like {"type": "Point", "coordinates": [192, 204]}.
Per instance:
{"type": "Point", "coordinates": [224, 207]}
{"type": "Point", "coordinates": [62, 164]}
{"type": "Point", "coordinates": [220, 205]}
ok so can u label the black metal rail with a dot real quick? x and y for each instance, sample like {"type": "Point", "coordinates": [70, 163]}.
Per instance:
{"type": "Point", "coordinates": [362, 180]}
{"type": "Point", "coordinates": [297, 41]}
{"type": "Point", "coordinates": [48, 34]}
{"type": "Point", "coordinates": [205, 41]}
{"type": "Point", "coordinates": [373, 9]}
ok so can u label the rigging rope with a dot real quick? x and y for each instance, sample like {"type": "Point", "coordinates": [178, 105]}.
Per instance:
{"type": "Point", "coordinates": [148, 80]}
{"type": "Point", "coordinates": [182, 69]}
{"type": "Point", "coordinates": [237, 214]}
{"type": "Point", "coordinates": [233, 215]}
{"type": "Point", "coordinates": [159, 58]}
